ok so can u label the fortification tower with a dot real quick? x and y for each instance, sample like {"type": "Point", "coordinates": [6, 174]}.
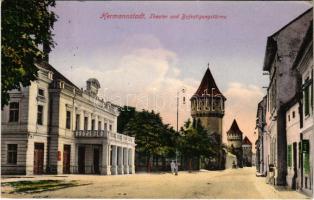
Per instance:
{"type": "Point", "coordinates": [207, 104]}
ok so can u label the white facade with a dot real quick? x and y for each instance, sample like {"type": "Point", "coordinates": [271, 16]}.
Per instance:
{"type": "Point", "coordinates": [293, 139]}
{"type": "Point", "coordinates": [281, 52]}
{"type": "Point", "coordinates": [305, 68]}
{"type": "Point", "coordinates": [54, 127]}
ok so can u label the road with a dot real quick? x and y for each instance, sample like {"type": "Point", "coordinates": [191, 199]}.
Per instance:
{"type": "Point", "coordinates": [231, 183]}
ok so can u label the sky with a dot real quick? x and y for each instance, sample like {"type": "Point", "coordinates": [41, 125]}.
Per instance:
{"type": "Point", "coordinates": [146, 62]}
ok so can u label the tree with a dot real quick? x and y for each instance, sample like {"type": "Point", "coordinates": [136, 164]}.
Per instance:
{"type": "Point", "coordinates": [194, 142]}
{"type": "Point", "coordinates": [26, 24]}
{"type": "Point", "coordinates": [126, 114]}
{"type": "Point", "coordinates": [153, 138]}
{"type": "Point", "coordinates": [197, 143]}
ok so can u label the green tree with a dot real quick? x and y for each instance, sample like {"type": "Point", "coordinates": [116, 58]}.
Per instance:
{"type": "Point", "coordinates": [126, 114]}
{"type": "Point", "coordinates": [153, 138]}
{"type": "Point", "coordinates": [197, 143]}
{"type": "Point", "coordinates": [26, 24]}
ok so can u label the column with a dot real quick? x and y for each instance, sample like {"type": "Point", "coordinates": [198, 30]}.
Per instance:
{"type": "Point", "coordinates": [132, 163]}
{"type": "Point", "coordinates": [120, 160]}
{"type": "Point", "coordinates": [126, 160]}
{"type": "Point", "coordinates": [105, 165]}
{"type": "Point", "coordinates": [114, 160]}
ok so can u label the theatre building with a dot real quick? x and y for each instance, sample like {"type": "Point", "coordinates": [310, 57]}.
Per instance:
{"type": "Point", "coordinates": [52, 126]}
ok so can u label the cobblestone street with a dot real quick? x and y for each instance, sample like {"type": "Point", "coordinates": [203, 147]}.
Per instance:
{"type": "Point", "coordinates": [233, 183]}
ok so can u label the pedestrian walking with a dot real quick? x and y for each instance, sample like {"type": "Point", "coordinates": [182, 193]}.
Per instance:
{"type": "Point", "coordinates": [173, 166]}
{"type": "Point", "coordinates": [176, 169]}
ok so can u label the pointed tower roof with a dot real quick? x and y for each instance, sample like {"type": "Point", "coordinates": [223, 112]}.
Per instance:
{"type": "Point", "coordinates": [208, 84]}
{"type": "Point", "coordinates": [246, 141]}
{"type": "Point", "coordinates": [234, 128]}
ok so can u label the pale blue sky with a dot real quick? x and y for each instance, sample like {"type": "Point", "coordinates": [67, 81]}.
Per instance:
{"type": "Point", "coordinates": [158, 55]}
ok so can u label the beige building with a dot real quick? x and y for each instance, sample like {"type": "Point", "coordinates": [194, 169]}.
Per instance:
{"type": "Point", "coordinates": [52, 126]}
{"type": "Point", "coordinates": [281, 51]}
{"type": "Point", "coordinates": [247, 152]}
{"type": "Point", "coordinates": [304, 157]}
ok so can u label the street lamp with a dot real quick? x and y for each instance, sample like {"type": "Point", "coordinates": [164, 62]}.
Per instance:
{"type": "Point", "coordinates": [178, 92]}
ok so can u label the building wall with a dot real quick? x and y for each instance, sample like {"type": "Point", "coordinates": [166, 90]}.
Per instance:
{"type": "Point", "coordinates": [283, 86]}
{"type": "Point", "coordinates": [307, 131]}
{"type": "Point", "coordinates": [53, 134]}
{"type": "Point", "coordinates": [26, 131]}
{"type": "Point", "coordinates": [247, 154]}
{"type": "Point", "coordinates": [234, 140]}
{"type": "Point", "coordinates": [293, 136]}
{"type": "Point", "coordinates": [209, 111]}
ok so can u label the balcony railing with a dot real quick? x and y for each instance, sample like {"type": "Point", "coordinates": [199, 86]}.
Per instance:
{"type": "Point", "coordinates": [103, 134]}
{"type": "Point", "coordinates": [90, 133]}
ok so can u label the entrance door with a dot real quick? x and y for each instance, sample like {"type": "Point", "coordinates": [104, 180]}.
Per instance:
{"type": "Point", "coordinates": [66, 158]}
{"type": "Point", "coordinates": [96, 161]}
{"type": "Point", "coordinates": [39, 158]}
{"type": "Point", "coordinates": [295, 166]}
{"type": "Point", "coordinates": [81, 160]}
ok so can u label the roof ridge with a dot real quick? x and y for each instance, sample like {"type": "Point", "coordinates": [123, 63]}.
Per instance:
{"type": "Point", "coordinates": [208, 85]}
{"type": "Point", "coordinates": [235, 127]}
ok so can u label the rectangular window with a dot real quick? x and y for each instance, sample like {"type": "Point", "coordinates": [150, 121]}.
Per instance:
{"type": "Point", "coordinates": [306, 156]}
{"type": "Point", "coordinates": [306, 101]}
{"type": "Point", "coordinates": [300, 154]}
{"type": "Point", "coordinates": [14, 112]}
{"type": "Point", "coordinates": [110, 127]}
{"type": "Point", "coordinates": [41, 92]}
{"type": "Point", "coordinates": [289, 159]}
{"type": "Point", "coordinates": [105, 126]}
{"type": "Point", "coordinates": [12, 153]}
{"type": "Point", "coordinates": [93, 124]}
{"type": "Point", "coordinates": [77, 122]}
{"type": "Point", "coordinates": [99, 125]}
{"type": "Point", "coordinates": [40, 110]}
{"type": "Point", "coordinates": [293, 114]}
{"type": "Point", "coordinates": [68, 120]}
{"type": "Point", "coordinates": [85, 123]}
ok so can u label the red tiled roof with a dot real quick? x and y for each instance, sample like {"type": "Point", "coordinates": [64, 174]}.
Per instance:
{"type": "Point", "coordinates": [234, 128]}
{"type": "Point", "coordinates": [208, 84]}
{"type": "Point", "coordinates": [246, 141]}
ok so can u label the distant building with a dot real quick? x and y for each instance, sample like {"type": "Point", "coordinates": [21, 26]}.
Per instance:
{"type": "Point", "coordinates": [247, 152]}
{"type": "Point", "coordinates": [234, 137]}
{"type": "Point", "coordinates": [263, 141]}
{"type": "Point", "coordinates": [52, 126]}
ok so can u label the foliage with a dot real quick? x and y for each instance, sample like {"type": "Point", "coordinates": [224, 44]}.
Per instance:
{"type": "Point", "coordinates": [26, 24]}
{"type": "Point", "coordinates": [151, 135]}
{"type": "Point", "coordinates": [194, 141]}
{"type": "Point", "coordinates": [197, 143]}
{"type": "Point", "coordinates": [126, 114]}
